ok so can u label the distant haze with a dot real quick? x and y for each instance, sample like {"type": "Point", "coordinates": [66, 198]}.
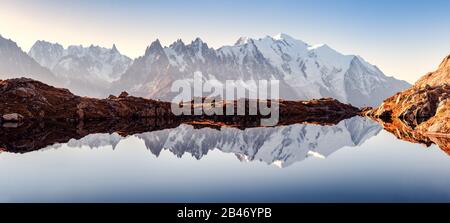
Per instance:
{"type": "Point", "coordinates": [405, 39]}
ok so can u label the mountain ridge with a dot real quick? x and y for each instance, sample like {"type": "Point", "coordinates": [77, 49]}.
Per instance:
{"type": "Point", "coordinates": [15, 63]}
{"type": "Point", "coordinates": [87, 71]}
{"type": "Point", "coordinates": [305, 71]}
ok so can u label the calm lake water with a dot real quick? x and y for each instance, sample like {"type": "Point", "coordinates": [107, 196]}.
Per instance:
{"type": "Point", "coordinates": [354, 160]}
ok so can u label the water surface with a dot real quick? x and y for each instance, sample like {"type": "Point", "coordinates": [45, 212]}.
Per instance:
{"type": "Point", "coordinates": [355, 160]}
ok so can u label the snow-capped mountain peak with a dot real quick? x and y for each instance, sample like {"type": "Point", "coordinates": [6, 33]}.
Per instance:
{"type": "Point", "coordinates": [305, 71]}
{"type": "Point", "coordinates": [178, 46]}
{"type": "Point", "coordinates": [155, 47]}
{"type": "Point", "coordinates": [46, 53]}
{"type": "Point", "coordinates": [197, 41]}
{"type": "Point", "coordinates": [242, 40]}
{"type": "Point", "coordinates": [198, 45]}
{"type": "Point", "coordinates": [282, 36]}
{"type": "Point", "coordinates": [85, 70]}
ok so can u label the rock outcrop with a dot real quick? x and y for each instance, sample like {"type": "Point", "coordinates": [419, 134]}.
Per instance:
{"type": "Point", "coordinates": [27, 99]}
{"type": "Point", "coordinates": [438, 77]}
{"type": "Point", "coordinates": [424, 108]}
{"type": "Point", "coordinates": [418, 108]}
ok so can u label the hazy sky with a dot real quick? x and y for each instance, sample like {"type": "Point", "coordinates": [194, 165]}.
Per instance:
{"type": "Point", "coordinates": [405, 39]}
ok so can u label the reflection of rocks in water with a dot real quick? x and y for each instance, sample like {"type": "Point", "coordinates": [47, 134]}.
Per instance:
{"type": "Point", "coordinates": [281, 146]}
{"type": "Point", "coordinates": [32, 136]}
{"type": "Point", "coordinates": [421, 113]}
{"type": "Point", "coordinates": [29, 136]}
{"type": "Point", "coordinates": [442, 142]}
{"type": "Point", "coordinates": [406, 133]}
{"type": "Point", "coordinates": [34, 115]}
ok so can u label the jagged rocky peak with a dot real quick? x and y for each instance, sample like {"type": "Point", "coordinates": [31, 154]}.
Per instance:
{"type": "Point", "coordinates": [46, 53]}
{"type": "Point", "coordinates": [43, 43]}
{"type": "Point", "coordinates": [178, 46]}
{"type": "Point", "coordinates": [114, 48]}
{"type": "Point", "coordinates": [97, 50]}
{"type": "Point", "coordinates": [87, 71]}
{"type": "Point", "coordinates": [198, 44]}
{"type": "Point", "coordinates": [74, 49]}
{"type": "Point", "coordinates": [155, 47]}
{"type": "Point", "coordinates": [42, 50]}
{"type": "Point", "coordinates": [305, 72]}
{"type": "Point", "coordinates": [197, 41]}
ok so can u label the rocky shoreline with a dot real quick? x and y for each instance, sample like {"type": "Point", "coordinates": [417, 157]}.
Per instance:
{"type": "Point", "coordinates": [420, 114]}
{"type": "Point", "coordinates": [424, 107]}
{"type": "Point", "coordinates": [25, 99]}
{"type": "Point", "coordinates": [34, 115]}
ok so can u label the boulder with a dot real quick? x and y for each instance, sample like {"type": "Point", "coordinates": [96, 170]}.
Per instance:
{"type": "Point", "coordinates": [13, 117]}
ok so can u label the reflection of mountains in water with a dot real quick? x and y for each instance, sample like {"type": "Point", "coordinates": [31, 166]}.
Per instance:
{"type": "Point", "coordinates": [282, 145]}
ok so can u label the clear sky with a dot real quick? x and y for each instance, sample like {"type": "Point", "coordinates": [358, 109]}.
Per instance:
{"type": "Point", "coordinates": [405, 38]}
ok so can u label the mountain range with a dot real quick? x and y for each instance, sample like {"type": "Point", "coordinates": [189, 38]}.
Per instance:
{"type": "Point", "coordinates": [304, 71]}
{"type": "Point", "coordinates": [85, 70]}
